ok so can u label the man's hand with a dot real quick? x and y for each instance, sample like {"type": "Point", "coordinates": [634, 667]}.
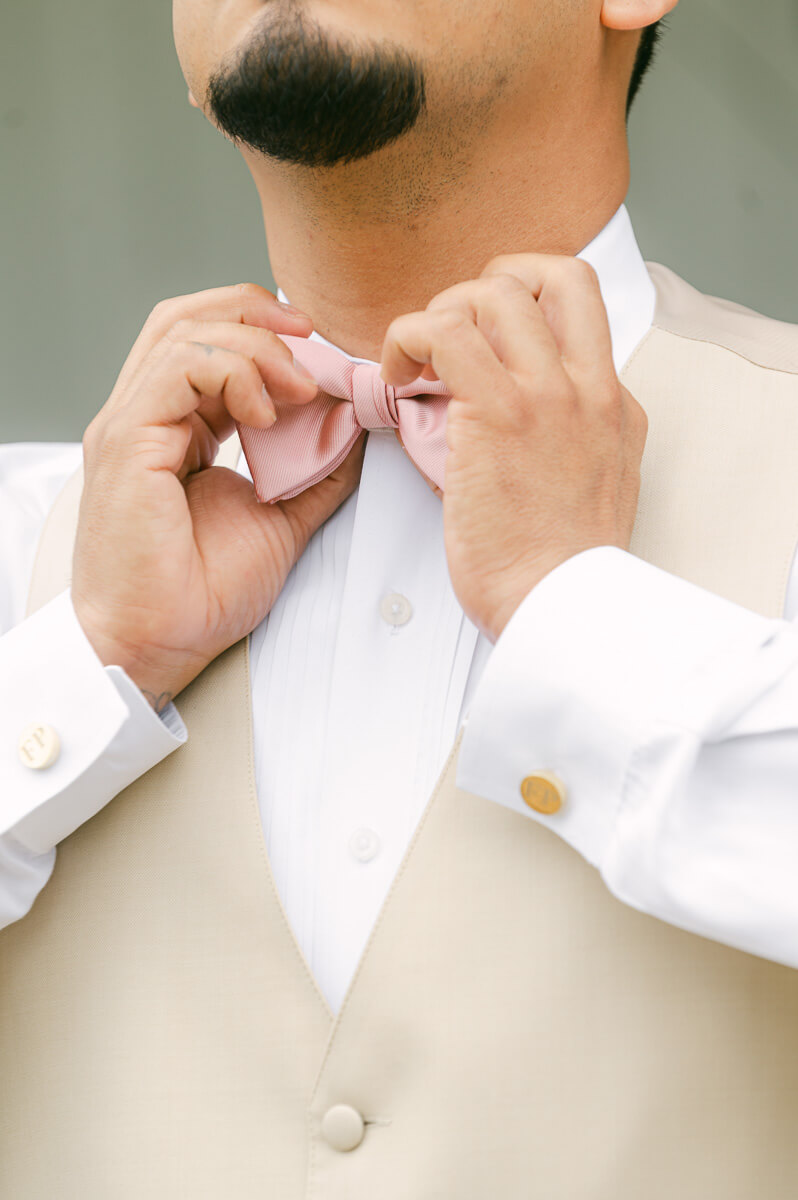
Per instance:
{"type": "Point", "coordinates": [544, 442]}
{"type": "Point", "coordinates": [175, 559]}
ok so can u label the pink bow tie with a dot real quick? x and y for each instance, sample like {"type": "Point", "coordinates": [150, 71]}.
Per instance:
{"type": "Point", "coordinates": [308, 441]}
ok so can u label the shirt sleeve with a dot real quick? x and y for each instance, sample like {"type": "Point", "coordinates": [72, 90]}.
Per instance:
{"type": "Point", "coordinates": [90, 720]}
{"type": "Point", "coordinates": [57, 692]}
{"type": "Point", "coordinates": [670, 716]}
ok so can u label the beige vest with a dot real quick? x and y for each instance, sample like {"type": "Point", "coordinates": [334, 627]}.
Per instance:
{"type": "Point", "coordinates": [512, 1030]}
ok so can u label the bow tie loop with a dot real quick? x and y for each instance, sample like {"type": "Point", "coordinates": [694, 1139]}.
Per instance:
{"type": "Point", "coordinates": [373, 398]}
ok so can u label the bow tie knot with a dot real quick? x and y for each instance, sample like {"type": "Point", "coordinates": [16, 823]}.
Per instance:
{"type": "Point", "coordinates": [308, 441]}
{"type": "Point", "coordinates": [374, 400]}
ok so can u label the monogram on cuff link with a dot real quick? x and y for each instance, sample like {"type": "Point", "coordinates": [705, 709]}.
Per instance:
{"type": "Point", "coordinates": [544, 792]}
{"type": "Point", "coordinates": [39, 746]}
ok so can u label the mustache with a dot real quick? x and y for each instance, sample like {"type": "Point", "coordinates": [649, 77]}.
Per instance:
{"type": "Point", "coordinates": [300, 95]}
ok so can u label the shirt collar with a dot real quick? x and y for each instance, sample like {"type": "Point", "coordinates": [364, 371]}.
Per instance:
{"type": "Point", "coordinates": [625, 283]}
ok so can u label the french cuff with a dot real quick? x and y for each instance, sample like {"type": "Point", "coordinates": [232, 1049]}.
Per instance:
{"type": "Point", "coordinates": [599, 651]}
{"type": "Point", "coordinates": [74, 732]}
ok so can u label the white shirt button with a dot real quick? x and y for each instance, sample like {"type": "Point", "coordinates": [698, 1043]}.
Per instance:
{"type": "Point", "coordinates": [396, 609]}
{"type": "Point", "coordinates": [39, 746]}
{"type": "Point", "coordinates": [343, 1127]}
{"type": "Point", "coordinates": [364, 844]}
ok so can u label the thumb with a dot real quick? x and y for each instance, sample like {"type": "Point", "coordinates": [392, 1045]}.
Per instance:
{"type": "Point", "coordinates": [311, 508]}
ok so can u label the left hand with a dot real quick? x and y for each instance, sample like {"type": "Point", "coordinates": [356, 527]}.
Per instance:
{"type": "Point", "coordinates": [545, 444]}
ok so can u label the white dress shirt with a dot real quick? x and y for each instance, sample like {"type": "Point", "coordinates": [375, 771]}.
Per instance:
{"type": "Point", "coordinates": [366, 668]}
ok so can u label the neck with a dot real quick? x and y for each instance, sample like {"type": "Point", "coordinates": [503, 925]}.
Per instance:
{"type": "Point", "coordinates": [357, 246]}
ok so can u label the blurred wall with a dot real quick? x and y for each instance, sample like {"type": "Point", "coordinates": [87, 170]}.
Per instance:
{"type": "Point", "coordinates": [114, 193]}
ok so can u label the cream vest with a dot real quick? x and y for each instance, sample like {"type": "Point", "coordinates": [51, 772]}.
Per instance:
{"type": "Point", "coordinates": [512, 1031]}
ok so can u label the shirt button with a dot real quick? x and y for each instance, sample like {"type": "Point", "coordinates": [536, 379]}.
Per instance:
{"type": "Point", "coordinates": [343, 1127]}
{"type": "Point", "coordinates": [545, 792]}
{"type": "Point", "coordinates": [364, 844]}
{"type": "Point", "coordinates": [39, 746]}
{"type": "Point", "coordinates": [396, 609]}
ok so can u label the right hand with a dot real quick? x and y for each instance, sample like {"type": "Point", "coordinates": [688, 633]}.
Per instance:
{"type": "Point", "coordinates": [175, 559]}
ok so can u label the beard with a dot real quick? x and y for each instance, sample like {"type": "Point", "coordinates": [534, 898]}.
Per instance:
{"type": "Point", "coordinates": [298, 95]}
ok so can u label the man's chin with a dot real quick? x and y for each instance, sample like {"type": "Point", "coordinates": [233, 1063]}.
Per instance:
{"type": "Point", "coordinates": [297, 95]}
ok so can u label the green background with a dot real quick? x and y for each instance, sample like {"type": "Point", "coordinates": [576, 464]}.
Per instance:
{"type": "Point", "coordinates": [114, 193]}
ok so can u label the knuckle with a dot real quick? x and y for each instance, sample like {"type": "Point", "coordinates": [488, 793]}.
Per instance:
{"type": "Point", "coordinates": [253, 291]}
{"type": "Point", "coordinates": [180, 330]}
{"type": "Point", "coordinates": [502, 264]}
{"type": "Point", "coordinates": [399, 325]}
{"type": "Point", "coordinates": [163, 313]}
{"type": "Point", "coordinates": [640, 419]}
{"type": "Point", "coordinates": [274, 342]}
{"type": "Point", "coordinates": [571, 271]}
{"type": "Point", "coordinates": [241, 372]}
{"type": "Point", "coordinates": [583, 272]}
{"type": "Point", "coordinates": [91, 436]}
{"type": "Point", "coordinates": [249, 367]}
{"type": "Point", "coordinates": [450, 321]}
{"type": "Point", "coordinates": [99, 437]}
{"type": "Point", "coordinates": [505, 285]}
{"type": "Point", "coordinates": [451, 296]}
{"type": "Point", "coordinates": [639, 415]}
{"type": "Point", "coordinates": [608, 398]}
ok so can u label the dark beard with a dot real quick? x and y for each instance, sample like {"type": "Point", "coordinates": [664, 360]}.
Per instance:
{"type": "Point", "coordinates": [297, 95]}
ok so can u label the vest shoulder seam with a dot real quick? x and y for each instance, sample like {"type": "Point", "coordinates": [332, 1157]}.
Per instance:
{"type": "Point", "coordinates": [735, 351]}
{"type": "Point", "coordinates": [686, 313]}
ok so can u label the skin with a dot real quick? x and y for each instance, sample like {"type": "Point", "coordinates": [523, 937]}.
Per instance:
{"type": "Point", "coordinates": [524, 149]}
{"type": "Point", "coordinates": [401, 257]}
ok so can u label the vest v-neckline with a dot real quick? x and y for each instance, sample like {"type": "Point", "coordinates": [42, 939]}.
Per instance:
{"type": "Point", "coordinates": [445, 779]}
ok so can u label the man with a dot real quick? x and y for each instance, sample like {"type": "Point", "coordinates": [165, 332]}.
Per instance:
{"type": "Point", "coordinates": [469, 630]}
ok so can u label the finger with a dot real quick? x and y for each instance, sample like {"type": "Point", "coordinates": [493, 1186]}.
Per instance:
{"type": "Point", "coordinates": [507, 313]}
{"type": "Point", "coordinates": [286, 381]}
{"type": "Point", "coordinates": [448, 340]}
{"type": "Point", "coordinates": [203, 446]}
{"type": "Point", "coordinates": [187, 380]}
{"type": "Point", "coordinates": [568, 293]}
{"type": "Point", "coordinates": [241, 303]}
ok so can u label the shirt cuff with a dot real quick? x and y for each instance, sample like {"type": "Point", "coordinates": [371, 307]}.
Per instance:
{"type": "Point", "coordinates": [600, 650]}
{"type": "Point", "coordinates": [107, 733]}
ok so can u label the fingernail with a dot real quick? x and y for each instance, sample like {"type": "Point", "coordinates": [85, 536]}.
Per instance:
{"type": "Point", "coordinates": [302, 370]}
{"type": "Point", "coordinates": [267, 400]}
{"type": "Point", "coordinates": [292, 312]}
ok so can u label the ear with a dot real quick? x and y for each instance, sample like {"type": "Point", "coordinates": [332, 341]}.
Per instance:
{"type": "Point", "coordinates": [634, 14]}
{"type": "Point", "coordinates": [192, 100]}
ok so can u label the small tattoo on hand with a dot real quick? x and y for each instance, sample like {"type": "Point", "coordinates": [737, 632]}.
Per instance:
{"type": "Point", "coordinates": [159, 703]}
{"type": "Point", "coordinates": [208, 349]}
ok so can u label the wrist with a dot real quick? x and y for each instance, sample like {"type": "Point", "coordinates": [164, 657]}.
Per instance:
{"type": "Point", "coordinates": [157, 677]}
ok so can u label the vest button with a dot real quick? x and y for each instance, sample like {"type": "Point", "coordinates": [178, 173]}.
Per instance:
{"type": "Point", "coordinates": [39, 746]}
{"type": "Point", "coordinates": [544, 792]}
{"type": "Point", "coordinates": [342, 1126]}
